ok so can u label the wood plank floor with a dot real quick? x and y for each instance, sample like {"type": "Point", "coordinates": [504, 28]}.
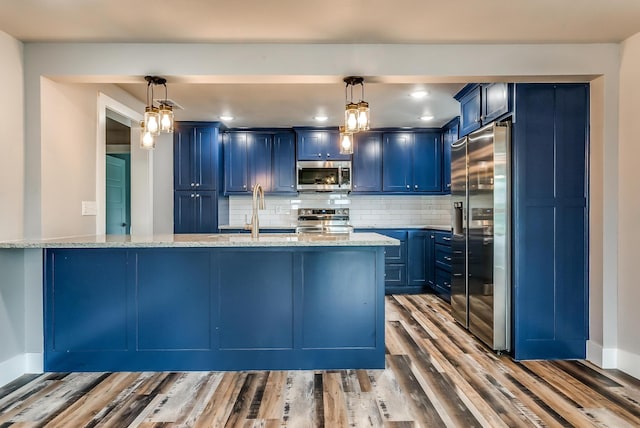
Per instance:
{"type": "Point", "coordinates": [436, 375]}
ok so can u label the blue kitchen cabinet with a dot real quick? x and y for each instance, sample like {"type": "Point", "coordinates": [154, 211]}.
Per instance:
{"type": "Point", "coordinates": [427, 162]}
{"type": "Point", "coordinates": [259, 149]}
{"type": "Point", "coordinates": [495, 101]}
{"type": "Point", "coordinates": [410, 268]}
{"type": "Point", "coordinates": [449, 136]}
{"type": "Point", "coordinates": [442, 265]}
{"type": "Point", "coordinates": [470, 106]}
{"type": "Point", "coordinates": [196, 153]}
{"type": "Point", "coordinates": [284, 163]}
{"type": "Point", "coordinates": [397, 162]}
{"type": "Point", "coordinates": [323, 145]}
{"type": "Point", "coordinates": [481, 104]}
{"type": "Point", "coordinates": [264, 158]}
{"type": "Point", "coordinates": [420, 245]}
{"type": "Point", "coordinates": [176, 309]}
{"type": "Point", "coordinates": [550, 248]}
{"type": "Point", "coordinates": [236, 162]}
{"type": "Point", "coordinates": [195, 211]}
{"type": "Point", "coordinates": [412, 162]}
{"type": "Point", "coordinates": [367, 162]}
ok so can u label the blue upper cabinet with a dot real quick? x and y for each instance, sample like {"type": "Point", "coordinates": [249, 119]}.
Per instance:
{"type": "Point", "coordinates": [367, 162]}
{"type": "Point", "coordinates": [470, 104]}
{"type": "Point", "coordinates": [256, 157]}
{"type": "Point", "coordinates": [284, 163]}
{"type": "Point", "coordinates": [449, 136]}
{"type": "Point", "coordinates": [319, 145]}
{"type": "Point", "coordinates": [495, 101]}
{"type": "Point", "coordinates": [259, 150]}
{"type": "Point", "coordinates": [397, 162]}
{"type": "Point", "coordinates": [236, 169]}
{"type": "Point", "coordinates": [427, 162]}
{"type": "Point", "coordinates": [481, 104]}
{"type": "Point", "coordinates": [412, 162]}
{"type": "Point", "coordinates": [196, 150]}
{"type": "Point", "coordinates": [195, 211]}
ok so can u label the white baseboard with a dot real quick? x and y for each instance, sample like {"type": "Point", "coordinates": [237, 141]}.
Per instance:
{"type": "Point", "coordinates": [629, 363]}
{"type": "Point", "coordinates": [606, 358]}
{"type": "Point", "coordinates": [18, 365]}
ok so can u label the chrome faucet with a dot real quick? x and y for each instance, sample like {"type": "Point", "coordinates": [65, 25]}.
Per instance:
{"type": "Point", "coordinates": [258, 203]}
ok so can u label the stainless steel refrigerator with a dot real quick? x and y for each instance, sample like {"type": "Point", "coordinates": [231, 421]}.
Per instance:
{"type": "Point", "coordinates": [481, 244]}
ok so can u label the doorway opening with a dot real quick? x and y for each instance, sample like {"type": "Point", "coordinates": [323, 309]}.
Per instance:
{"type": "Point", "coordinates": [118, 174]}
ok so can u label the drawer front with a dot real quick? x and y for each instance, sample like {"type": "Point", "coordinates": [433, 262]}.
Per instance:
{"type": "Point", "coordinates": [395, 275]}
{"type": "Point", "coordinates": [443, 257]}
{"type": "Point", "coordinates": [395, 254]}
{"type": "Point", "coordinates": [443, 238]}
{"type": "Point", "coordinates": [443, 279]}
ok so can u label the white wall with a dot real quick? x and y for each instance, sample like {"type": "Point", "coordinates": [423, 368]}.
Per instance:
{"type": "Point", "coordinates": [629, 208]}
{"type": "Point", "coordinates": [163, 185]}
{"type": "Point", "coordinates": [68, 154]}
{"type": "Point", "coordinates": [104, 63]}
{"type": "Point", "coordinates": [12, 296]}
{"type": "Point", "coordinates": [11, 138]}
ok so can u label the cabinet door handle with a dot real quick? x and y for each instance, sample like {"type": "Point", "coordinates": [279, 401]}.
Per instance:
{"type": "Point", "coordinates": [244, 186]}
{"type": "Point", "coordinates": [292, 186]}
{"type": "Point", "coordinates": [447, 258]}
{"type": "Point", "coordinates": [408, 187]}
{"type": "Point", "coordinates": [193, 184]}
{"type": "Point", "coordinates": [415, 187]}
{"type": "Point", "coordinates": [197, 195]}
{"type": "Point", "coordinates": [446, 238]}
{"type": "Point", "coordinates": [197, 184]}
{"type": "Point", "coordinates": [193, 195]}
{"type": "Point", "coordinates": [449, 185]}
{"type": "Point", "coordinates": [328, 155]}
{"type": "Point", "coordinates": [319, 155]}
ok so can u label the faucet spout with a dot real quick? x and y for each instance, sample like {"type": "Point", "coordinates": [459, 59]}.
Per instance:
{"type": "Point", "coordinates": [258, 204]}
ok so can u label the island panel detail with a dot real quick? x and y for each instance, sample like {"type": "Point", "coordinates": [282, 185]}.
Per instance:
{"type": "Point", "coordinates": [163, 309]}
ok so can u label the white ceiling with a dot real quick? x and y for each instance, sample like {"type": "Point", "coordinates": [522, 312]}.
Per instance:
{"type": "Point", "coordinates": [328, 21]}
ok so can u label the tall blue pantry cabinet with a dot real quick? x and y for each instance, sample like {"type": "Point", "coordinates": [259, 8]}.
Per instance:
{"type": "Point", "coordinates": [196, 150]}
{"type": "Point", "coordinates": [550, 221]}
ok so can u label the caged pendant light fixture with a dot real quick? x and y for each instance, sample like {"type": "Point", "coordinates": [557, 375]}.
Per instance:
{"type": "Point", "coordinates": [156, 119]}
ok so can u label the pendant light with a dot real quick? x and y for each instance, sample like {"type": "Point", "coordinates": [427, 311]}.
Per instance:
{"type": "Point", "coordinates": [147, 141]}
{"type": "Point", "coordinates": [151, 113]}
{"type": "Point", "coordinates": [356, 115]}
{"type": "Point", "coordinates": [166, 110]}
{"type": "Point", "coordinates": [346, 142]}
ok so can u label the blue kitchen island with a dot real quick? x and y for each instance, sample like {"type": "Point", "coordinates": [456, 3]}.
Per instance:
{"type": "Point", "coordinates": [214, 302]}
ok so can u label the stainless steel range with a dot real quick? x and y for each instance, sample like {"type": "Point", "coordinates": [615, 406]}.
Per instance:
{"type": "Point", "coordinates": [323, 220]}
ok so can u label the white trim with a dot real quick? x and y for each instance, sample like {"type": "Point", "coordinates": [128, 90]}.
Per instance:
{"type": "Point", "coordinates": [34, 362]}
{"type": "Point", "coordinates": [606, 358]}
{"type": "Point", "coordinates": [629, 363]}
{"type": "Point", "coordinates": [104, 102]}
{"type": "Point", "coordinates": [12, 369]}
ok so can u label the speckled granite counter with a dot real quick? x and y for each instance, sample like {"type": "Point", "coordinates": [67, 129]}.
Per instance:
{"type": "Point", "coordinates": [209, 240]}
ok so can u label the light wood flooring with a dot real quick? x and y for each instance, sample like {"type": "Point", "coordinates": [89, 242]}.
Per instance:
{"type": "Point", "coordinates": [436, 375]}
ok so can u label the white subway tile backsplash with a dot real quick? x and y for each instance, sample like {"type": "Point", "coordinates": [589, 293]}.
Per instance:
{"type": "Point", "coordinates": [365, 210]}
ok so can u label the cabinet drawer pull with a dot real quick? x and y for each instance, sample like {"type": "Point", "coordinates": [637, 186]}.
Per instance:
{"type": "Point", "coordinates": [446, 238]}
{"type": "Point", "coordinates": [447, 258]}
{"type": "Point", "coordinates": [457, 274]}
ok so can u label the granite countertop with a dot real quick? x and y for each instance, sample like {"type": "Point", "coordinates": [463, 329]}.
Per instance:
{"type": "Point", "coordinates": [444, 228]}
{"type": "Point", "coordinates": [242, 227]}
{"type": "Point", "coordinates": [209, 240]}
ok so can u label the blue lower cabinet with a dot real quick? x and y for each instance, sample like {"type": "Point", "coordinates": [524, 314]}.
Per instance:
{"type": "Point", "coordinates": [165, 309]}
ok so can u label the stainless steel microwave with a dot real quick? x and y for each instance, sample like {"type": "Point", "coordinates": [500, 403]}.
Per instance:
{"type": "Point", "coordinates": [323, 176]}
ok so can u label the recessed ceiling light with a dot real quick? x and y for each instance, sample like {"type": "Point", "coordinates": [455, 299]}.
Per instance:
{"type": "Point", "coordinates": [321, 118]}
{"type": "Point", "coordinates": [426, 117]}
{"type": "Point", "coordinates": [419, 94]}
{"type": "Point", "coordinates": [226, 117]}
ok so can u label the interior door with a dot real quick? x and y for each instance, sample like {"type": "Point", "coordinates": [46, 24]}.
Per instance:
{"type": "Point", "coordinates": [116, 196]}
